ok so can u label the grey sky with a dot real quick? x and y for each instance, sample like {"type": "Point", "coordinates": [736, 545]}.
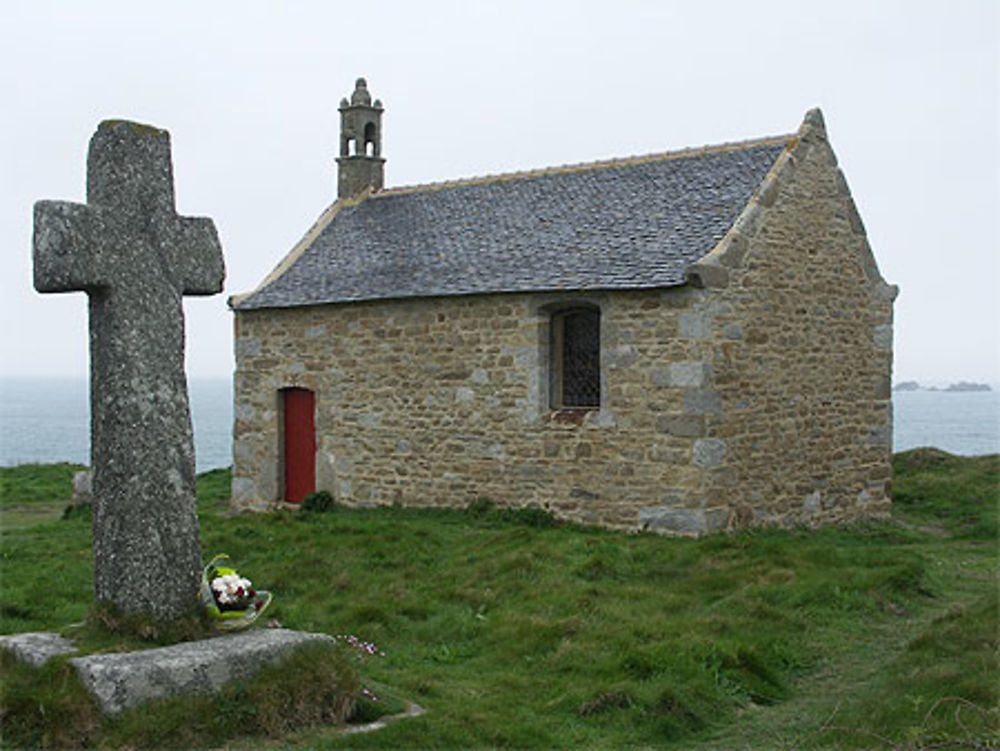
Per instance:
{"type": "Point", "coordinates": [249, 91]}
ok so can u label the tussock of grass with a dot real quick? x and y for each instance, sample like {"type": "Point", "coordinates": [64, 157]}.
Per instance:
{"type": "Point", "coordinates": [515, 632]}
{"type": "Point", "coordinates": [957, 494]}
{"type": "Point", "coordinates": [314, 685]}
{"type": "Point", "coordinates": [947, 679]}
{"type": "Point", "coordinates": [106, 629]}
{"type": "Point", "coordinates": [45, 707]}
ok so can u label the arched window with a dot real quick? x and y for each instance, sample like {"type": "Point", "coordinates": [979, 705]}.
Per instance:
{"type": "Point", "coordinates": [370, 140]}
{"type": "Point", "coordinates": [576, 359]}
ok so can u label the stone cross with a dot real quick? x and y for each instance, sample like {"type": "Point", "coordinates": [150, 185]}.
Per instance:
{"type": "Point", "coordinates": [135, 258]}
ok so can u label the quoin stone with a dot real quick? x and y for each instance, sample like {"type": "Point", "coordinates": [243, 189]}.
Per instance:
{"type": "Point", "coordinates": [132, 254]}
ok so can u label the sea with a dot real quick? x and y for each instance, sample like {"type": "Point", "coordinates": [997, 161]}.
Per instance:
{"type": "Point", "coordinates": [45, 420]}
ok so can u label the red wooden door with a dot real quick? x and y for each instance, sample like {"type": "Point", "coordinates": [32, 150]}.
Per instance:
{"type": "Point", "coordinates": [300, 444]}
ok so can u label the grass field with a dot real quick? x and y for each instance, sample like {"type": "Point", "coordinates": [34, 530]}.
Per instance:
{"type": "Point", "coordinates": [515, 633]}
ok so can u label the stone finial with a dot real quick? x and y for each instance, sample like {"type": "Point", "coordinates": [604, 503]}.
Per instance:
{"type": "Point", "coordinates": [814, 122]}
{"type": "Point", "coordinates": [361, 95]}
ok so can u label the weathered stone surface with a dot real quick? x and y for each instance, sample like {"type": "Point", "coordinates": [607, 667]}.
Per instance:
{"type": "Point", "coordinates": [126, 679]}
{"type": "Point", "coordinates": [683, 426]}
{"type": "Point", "coordinates": [705, 275]}
{"type": "Point", "coordinates": [135, 258]}
{"type": "Point", "coordinates": [689, 374]}
{"type": "Point", "coordinates": [37, 647]}
{"type": "Point", "coordinates": [708, 452]}
{"type": "Point", "coordinates": [678, 521]}
{"type": "Point", "coordinates": [702, 402]}
{"type": "Point", "coordinates": [695, 325]}
{"type": "Point", "coordinates": [83, 488]}
{"type": "Point", "coordinates": [882, 337]}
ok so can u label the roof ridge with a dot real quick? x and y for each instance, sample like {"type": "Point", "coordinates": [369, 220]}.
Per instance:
{"type": "Point", "coordinates": [611, 163]}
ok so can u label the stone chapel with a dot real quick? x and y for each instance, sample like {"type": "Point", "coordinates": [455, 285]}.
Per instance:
{"type": "Point", "coordinates": [683, 342]}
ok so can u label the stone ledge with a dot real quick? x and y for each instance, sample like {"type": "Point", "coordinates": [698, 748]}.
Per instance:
{"type": "Point", "coordinates": [37, 647]}
{"type": "Point", "coordinates": [122, 680]}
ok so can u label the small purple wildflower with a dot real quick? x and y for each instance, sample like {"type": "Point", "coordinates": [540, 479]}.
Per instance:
{"type": "Point", "coordinates": [363, 648]}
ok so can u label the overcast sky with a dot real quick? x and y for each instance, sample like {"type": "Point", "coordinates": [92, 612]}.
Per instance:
{"type": "Point", "coordinates": [249, 92]}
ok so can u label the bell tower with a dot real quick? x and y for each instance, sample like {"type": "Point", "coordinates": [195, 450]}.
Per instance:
{"type": "Point", "coordinates": [360, 164]}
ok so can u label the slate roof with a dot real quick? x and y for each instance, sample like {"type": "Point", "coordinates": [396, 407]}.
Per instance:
{"type": "Point", "coordinates": [635, 223]}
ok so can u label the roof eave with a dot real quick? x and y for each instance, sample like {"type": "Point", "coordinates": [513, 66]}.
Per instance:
{"type": "Point", "coordinates": [321, 223]}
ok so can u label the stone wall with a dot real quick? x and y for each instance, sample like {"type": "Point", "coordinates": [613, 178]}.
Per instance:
{"type": "Point", "coordinates": [443, 401]}
{"type": "Point", "coordinates": [757, 394]}
{"type": "Point", "coordinates": [801, 333]}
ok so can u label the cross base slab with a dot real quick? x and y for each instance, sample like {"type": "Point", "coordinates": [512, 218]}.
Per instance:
{"type": "Point", "coordinates": [122, 680]}
{"type": "Point", "coordinates": [37, 647]}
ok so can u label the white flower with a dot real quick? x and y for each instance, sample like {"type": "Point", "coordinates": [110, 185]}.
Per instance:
{"type": "Point", "coordinates": [230, 588]}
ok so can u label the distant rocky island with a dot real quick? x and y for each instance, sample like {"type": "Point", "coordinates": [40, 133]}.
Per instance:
{"type": "Point", "coordinates": [963, 386]}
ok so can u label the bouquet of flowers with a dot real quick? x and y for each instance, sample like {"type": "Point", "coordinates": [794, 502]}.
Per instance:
{"type": "Point", "coordinates": [230, 599]}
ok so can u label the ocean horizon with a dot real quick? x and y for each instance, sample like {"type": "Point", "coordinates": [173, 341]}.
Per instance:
{"type": "Point", "coordinates": [47, 420]}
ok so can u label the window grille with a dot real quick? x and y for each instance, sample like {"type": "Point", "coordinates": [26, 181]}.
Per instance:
{"type": "Point", "coordinates": [577, 358]}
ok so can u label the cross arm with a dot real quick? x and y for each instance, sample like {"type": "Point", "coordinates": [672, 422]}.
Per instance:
{"type": "Point", "coordinates": [198, 260]}
{"type": "Point", "coordinates": [66, 247]}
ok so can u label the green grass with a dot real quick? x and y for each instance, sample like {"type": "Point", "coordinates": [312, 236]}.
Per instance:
{"type": "Point", "coordinates": [34, 493]}
{"type": "Point", "coordinates": [959, 494]}
{"type": "Point", "coordinates": [517, 633]}
{"type": "Point", "coordinates": [32, 484]}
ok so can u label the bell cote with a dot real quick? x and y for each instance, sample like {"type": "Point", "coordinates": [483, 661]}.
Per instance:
{"type": "Point", "coordinates": [360, 164]}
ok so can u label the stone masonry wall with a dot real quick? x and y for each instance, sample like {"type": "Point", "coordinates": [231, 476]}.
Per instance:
{"type": "Point", "coordinates": [757, 394]}
{"type": "Point", "coordinates": [439, 402]}
{"type": "Point", "coordinates": [801, 332]}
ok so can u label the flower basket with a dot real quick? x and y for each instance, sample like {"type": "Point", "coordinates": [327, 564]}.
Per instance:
{"type": "Point", "coordinates": [229, 599]}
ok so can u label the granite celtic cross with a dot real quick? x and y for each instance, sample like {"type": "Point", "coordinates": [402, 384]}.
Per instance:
{"type": "Point", "coordinates": [132, 254]}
